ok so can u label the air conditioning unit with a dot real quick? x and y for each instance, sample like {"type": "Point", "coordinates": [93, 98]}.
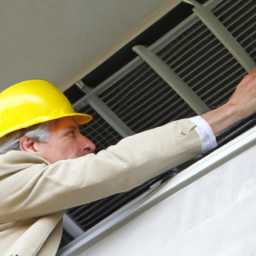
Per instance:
{"type": "Point", "coordinates": [187, 61]}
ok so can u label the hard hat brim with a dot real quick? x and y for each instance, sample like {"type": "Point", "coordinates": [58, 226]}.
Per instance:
{"type": "Point", "coordinates": [81, 118]}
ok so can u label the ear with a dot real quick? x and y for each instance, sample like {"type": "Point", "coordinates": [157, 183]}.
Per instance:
{"type": "Point", "coordinates": [28, 145]}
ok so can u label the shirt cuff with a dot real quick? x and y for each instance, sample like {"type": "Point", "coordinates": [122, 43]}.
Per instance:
{"type": "Point", "coordinates": [205, 133]}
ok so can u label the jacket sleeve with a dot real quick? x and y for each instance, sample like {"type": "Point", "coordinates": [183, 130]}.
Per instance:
{"type": "Point", "coordinates": [42, 189]}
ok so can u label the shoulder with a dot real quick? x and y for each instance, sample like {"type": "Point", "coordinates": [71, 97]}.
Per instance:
{"type": "Point", "coordinates": [14, 161]}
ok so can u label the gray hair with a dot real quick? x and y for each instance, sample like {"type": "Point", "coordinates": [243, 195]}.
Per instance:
{"type": "Point", "coordinates": [39, 132]}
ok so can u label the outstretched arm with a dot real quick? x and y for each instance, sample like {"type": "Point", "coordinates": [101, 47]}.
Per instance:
{"type": "Point", "coordinates": [44, 189]}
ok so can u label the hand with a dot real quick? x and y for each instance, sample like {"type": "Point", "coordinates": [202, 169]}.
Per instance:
{"type": "Point", "coordinates": [244, 97]}
{"type": "Point", "coordinates": [241, 105]}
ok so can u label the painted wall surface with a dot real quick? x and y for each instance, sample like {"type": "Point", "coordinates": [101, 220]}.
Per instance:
{"type": "Point", "coordinates": [52, 40]}
{"type": "Point", "coordinates": [213, 216]}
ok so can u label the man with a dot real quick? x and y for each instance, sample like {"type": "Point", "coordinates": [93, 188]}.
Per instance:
{"type": "Point", "coordinates": [47, 166]}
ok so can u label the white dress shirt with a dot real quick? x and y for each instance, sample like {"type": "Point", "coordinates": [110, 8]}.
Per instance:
{"type": "Point", "coordinates": [205, 133]}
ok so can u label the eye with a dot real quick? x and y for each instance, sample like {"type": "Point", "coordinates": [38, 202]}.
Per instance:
{"type": "Point", "coordinates": [71, 134]}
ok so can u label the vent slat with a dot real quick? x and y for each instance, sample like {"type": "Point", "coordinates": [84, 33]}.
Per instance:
{"type": "Point", "coordinates": [87, 208]}
{"type": "Point", "coordinates": [146, 99]}
{"type": "Point", "coordinates": [212, 70]}
{"type": "Point", "coordinates": [125, 84]}
{"type": "Point", "coordinates": [174, 50]}
{"type": "Point", "coordinates": [215, 76]}
{"type": "Point", "coordinates": [222, 77]}
{"type": "Point", "coordinates": [241, 22]}
{"type": "Point", "coordinates": [133, 89]}
{"type": "Point", "coordinates": [232, 11]}
{"type": "Point", "coordinates": [221, 96]}
{"type": "Point", "coordinates": [165, 119]}
{"type": "Point", "coordinates": [237, 24]}
{"type": "Point", "coordinates": [230, 14]}
{"type": "Point", "coordinates": [146, 114]}
{"type": "Point", "coordinates": [248, 35]}
{"type": "Point", "coordinates": [96, 209]}
{"type": "Point", "coordinates": [163, 109]}
{"type": "Point", "coordinates": [198, 70]}
{"type": "Point", "coordinates": [193, 49]}
{"type": "Point", "coordinates": [208, 47]}
{"type": "Point", "coordinates": [224, 7]}
{"type": "Point", "coordinates": [141, 98]}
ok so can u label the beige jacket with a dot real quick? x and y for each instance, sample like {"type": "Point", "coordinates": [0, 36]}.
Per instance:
{"type": "Point", "coordinates": [34, 194]}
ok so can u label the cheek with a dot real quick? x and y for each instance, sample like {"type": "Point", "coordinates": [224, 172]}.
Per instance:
{"type": "Point", "coordinates": [70, 149]}
{"type": "Point", "coordinates": [54, 151]}
{"type": "Point", "coordinates": [74, 151]}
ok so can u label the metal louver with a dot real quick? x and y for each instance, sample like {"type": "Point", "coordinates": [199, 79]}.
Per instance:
{"type": "Point", "coordinates": [90, 214]}
{"type": "Point", "coordinates": [143, 100]}
{"type": "Point", "coordinates": [204, 64]}
{"type": "Point", "coordinates": [239, 17]}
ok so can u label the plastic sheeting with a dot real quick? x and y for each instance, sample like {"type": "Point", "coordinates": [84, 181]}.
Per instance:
{"type": "Point", "coordinates": [215, 215]}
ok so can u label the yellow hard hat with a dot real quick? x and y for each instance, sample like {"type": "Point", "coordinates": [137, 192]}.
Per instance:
{"type": "Point", "coordinates": [33, 102]}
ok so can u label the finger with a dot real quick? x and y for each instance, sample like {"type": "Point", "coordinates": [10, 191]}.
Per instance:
{"type": "Point", "coordinates": [251, 74]}
{"type": "Point", "coordinates": [249, 79]}
{"type": "Point", "coordinates": [254, 72]}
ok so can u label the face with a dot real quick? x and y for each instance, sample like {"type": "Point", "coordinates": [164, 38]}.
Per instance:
{"type": "Point", "coordinates": [66, 142]}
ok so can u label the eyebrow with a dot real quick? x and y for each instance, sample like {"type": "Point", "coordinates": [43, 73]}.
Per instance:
{"type": "Point", "coordinates": [72, 126]}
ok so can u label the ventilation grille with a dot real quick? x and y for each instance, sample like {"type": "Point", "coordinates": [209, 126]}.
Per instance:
{"type": "Point", "coordinates": [88, 215]}
{"type": "Point", "coordinates": [143, 100]}
{"type": "Point", "coordinates": [239, 17]}
{"type": "Point", "coordinates": [201, 60]}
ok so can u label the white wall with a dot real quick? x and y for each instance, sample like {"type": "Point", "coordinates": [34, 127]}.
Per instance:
{"type": "Point", "coordinates": [53, 40]}
{"type": "Point", "coordinates": [215, 215]}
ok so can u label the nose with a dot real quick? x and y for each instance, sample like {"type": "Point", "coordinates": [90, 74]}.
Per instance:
{"type": "Point", "coordinates": [87, 146]}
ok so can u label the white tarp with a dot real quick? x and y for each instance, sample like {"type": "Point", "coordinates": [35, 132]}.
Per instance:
{"type": "Point", "coordinates": [215, 215]}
